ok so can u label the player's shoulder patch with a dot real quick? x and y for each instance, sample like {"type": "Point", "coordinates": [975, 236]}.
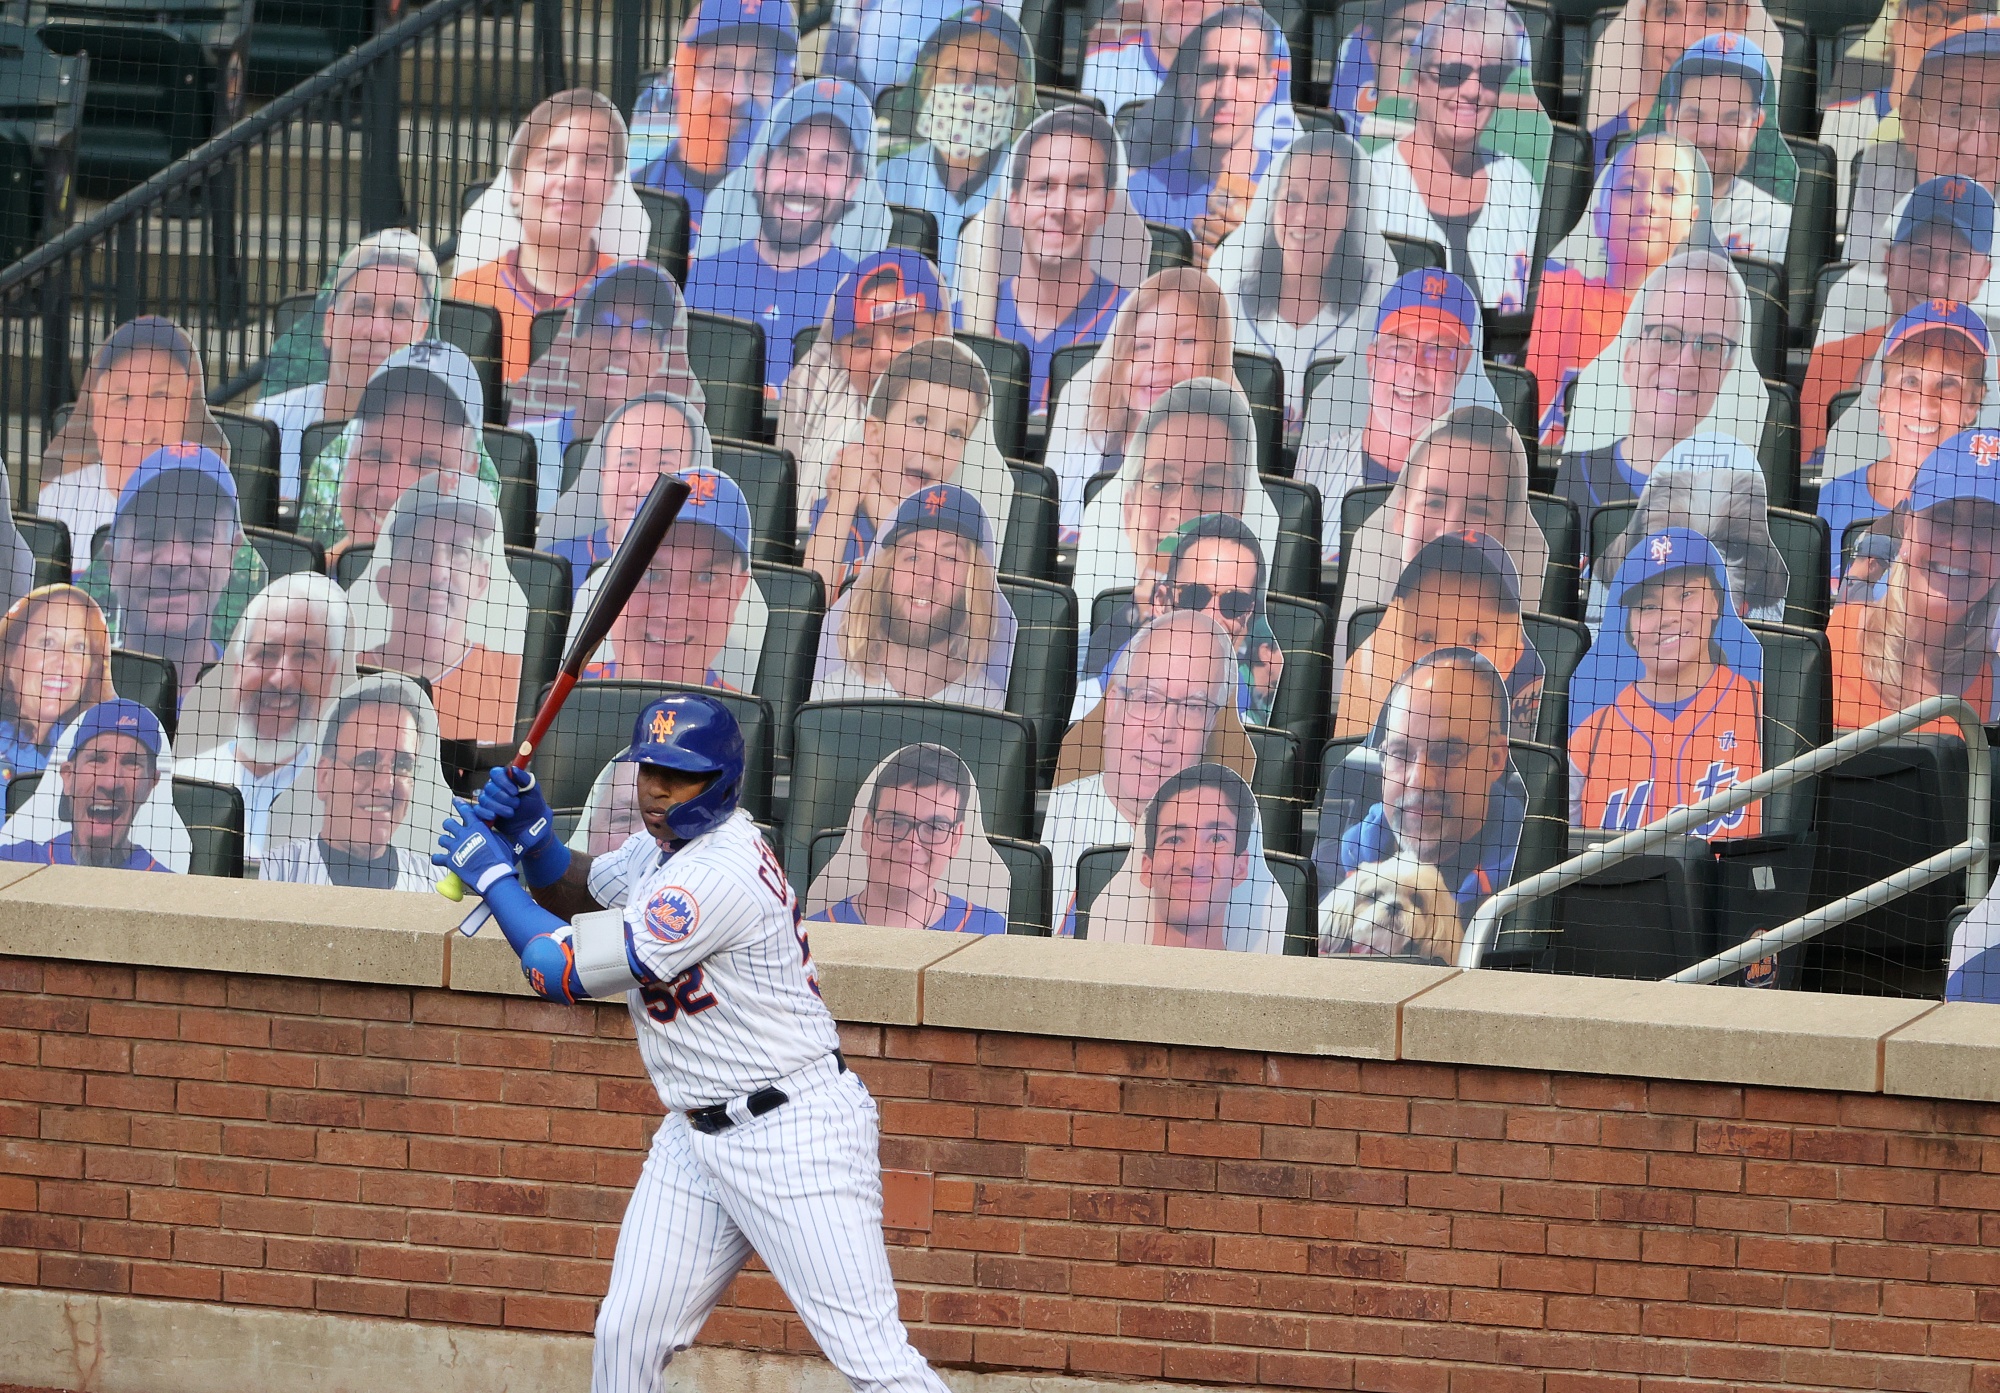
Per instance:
{"type": "Point", "coordinates": [672, 913]}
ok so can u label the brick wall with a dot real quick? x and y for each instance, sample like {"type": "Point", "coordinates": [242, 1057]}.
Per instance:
{"type": "Point", "coordinates": [1057, 1205]}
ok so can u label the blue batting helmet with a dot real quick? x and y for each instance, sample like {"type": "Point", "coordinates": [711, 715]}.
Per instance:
{"type": "Point", "coordinates": [693, 734]}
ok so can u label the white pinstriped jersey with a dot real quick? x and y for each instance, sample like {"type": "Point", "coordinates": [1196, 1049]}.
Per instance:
{"type": "Point", "coordinates": [732, 997]}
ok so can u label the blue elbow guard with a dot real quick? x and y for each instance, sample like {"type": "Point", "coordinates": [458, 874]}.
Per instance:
{"type": "Point", "coordinates": [539, 938]}
{"type": "Point", "coordinates": [549, 964]}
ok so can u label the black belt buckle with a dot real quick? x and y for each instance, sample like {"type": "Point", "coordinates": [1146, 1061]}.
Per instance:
{"type": "Point", "coordinates": [715, 1118]}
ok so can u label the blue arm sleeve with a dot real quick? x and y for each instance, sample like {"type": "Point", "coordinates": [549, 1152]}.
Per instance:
{"type": "Point", "coordinates": [547, 960]}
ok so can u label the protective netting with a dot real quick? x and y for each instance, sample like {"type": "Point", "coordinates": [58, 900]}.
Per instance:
{"type": "Point", "coordinates": [1258, 481]}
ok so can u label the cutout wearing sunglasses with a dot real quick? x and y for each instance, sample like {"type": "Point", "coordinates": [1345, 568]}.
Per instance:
{"type": "Point", "coordinates": [1494, 77]}
{"type": "Point", "coordinates": [1233, 607]}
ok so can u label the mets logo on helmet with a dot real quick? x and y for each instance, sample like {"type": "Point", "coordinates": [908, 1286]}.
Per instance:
{"type": "Point", "coordinates": [672, 914]}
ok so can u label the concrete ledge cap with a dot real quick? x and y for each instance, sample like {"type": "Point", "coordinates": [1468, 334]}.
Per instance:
{"type": "Point", "coordinates": [206, 924]}
{"type": "Point", "coordinates": [1661, 1030]}
{"type": "Point", "coordinates": [866, 974]}
{"type": "Point", "coordinates": [1953, 1052]}
{"type": "Point", "coordinates": [1119, 991]}
{"type": "Point", "coordinates": [877, 975]}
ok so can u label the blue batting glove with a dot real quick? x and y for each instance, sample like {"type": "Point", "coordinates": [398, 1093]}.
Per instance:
{"type": "Point", "coordinates": [479, 855]}
{"type": "Point", "coordinates": [512, 804]}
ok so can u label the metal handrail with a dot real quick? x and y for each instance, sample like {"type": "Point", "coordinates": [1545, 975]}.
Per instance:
{"type": "Point", "coordinates": [1969, 855]}
{"type": "Point", "coordinates": [198, 164]}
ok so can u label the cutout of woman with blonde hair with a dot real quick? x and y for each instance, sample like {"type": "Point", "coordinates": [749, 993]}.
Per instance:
{"type": "Point", "coordinates": [1176, 326]}
{"type": "Point", "coordinates": [55, 661]}
{"type": "Point", "coordinates": [145, 390]}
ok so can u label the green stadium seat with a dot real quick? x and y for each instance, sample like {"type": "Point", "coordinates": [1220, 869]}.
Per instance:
{"type": "Point", "coordinates": [1770, 332]}
{"type": "Point", "coordinates": [1561, 529]}
{"type": "Point", "coordinates": [293, 39]}
{"type": "Point", "coordinates": [1301, 707]}
{"type": "Point", "coordinates": [1778, 447]}
{"type": "Point", "coordinates": [768, 478]}
{"type": "Point", "coordinates": [474, 329]}
{"type": "Point", "coordinates": [1319, 370]}
{"type": "Point", "coordinates": [728, 356]}
{"type": "Point", "coordinates": [1801, 539]}
{"type": "Point", "coordinates": [543, 331]}
{"type": "Point", "coordinates": [1066, 362]}
{"type": "Point", "coordinates": [213, 815]}
{"type": "Point", "coordinates": [517, 461]}
{"type": "Point", "coordinates": [157, 80]}
{"type": "Point", "coordinates": [1767, 880]}
{"type": "Point", "coordinates": [1521, 403]}
{"type": "Point", "coordinates": [837, 744]}
{"type": "Point", "coordinates": [1042, 682]}
{"type": "Point", "coordinates": [1560, 643]}
{"type": "Point", "coordinates": [595, 727]}
{"type": "Point", "coordinates": [1566, 191]}
{"type": "Point", "coordinates": [41, 113]}
{"type": "Point", "coordinates": [1028, 872]}
{"type": "Point", "coordinates": [1279, 786]}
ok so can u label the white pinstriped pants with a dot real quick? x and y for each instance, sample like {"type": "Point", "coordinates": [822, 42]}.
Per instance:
{"type": "Point", "coordinates": [802, 1187]}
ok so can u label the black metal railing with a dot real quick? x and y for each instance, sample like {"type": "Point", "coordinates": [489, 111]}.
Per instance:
{"type": "Point", "coordinates": [391, 134]}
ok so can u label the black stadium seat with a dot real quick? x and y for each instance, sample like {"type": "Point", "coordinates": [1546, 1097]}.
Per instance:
{"type": "Point", "coordinates": [728, 356]}
{"type": "Point", "coordinates": [212, 814]}
{"type": "Point", "coordinates": [1042, 683]}
{"type": "Point", "coordinates": [1028, 871]}
{"type": "Point", "coordinates": [667, 244]}
{"type": "Point", "coordinates": [837, 744]}
{"type": "Point", "coordinates": [595, 727]}
{"type": "Point", "coordinates": [1006, 364]}
{"type": "Point", "coordinates": [254, 447]}
{"type": "Point", "coordinates": [48, 539]}
{"type": "Point", "coordinates": [1096, 867]}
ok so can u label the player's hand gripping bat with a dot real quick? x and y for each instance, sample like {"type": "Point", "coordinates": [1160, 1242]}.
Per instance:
{"type": "Point", "coordinates": [621, 577]}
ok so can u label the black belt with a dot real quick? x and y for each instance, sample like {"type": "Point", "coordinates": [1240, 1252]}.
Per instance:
{"type": "Point", "coordinates": [715, 1118]}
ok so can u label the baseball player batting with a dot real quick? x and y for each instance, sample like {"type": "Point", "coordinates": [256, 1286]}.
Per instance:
{"type": "Point", "coordinates": [770, 1145]}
